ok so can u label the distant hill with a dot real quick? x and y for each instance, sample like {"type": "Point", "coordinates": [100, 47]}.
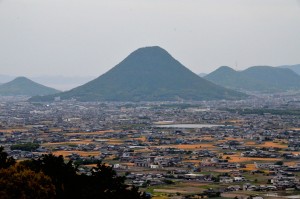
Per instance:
{"type": "Point", "coordinates": [295, 68]}
{"type": "Point", "coordinates": [147, 74]}
{"type": "Point", "coordinates": [54, 81]}
{"type": "Point", "coordinates": [256, 78]}
{"type": "Point", "coordinates": [24, 86]}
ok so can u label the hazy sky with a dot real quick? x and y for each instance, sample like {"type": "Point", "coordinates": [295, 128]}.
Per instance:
{"type": "Point", "coordinates": [88, 37]}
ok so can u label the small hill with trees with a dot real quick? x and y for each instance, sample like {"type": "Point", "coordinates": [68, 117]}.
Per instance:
{"type": "Point", "coordinates": [256, 78]}
{"type": "Point", "coordinates": [26, 87]}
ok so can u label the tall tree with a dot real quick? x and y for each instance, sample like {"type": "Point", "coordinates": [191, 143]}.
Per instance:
{"type": "Point", "coordinates": [61, 173]}
{"type": "Point", "coordinates": [18, 182]}
{"type": "Point", "coordinates": [103, 182]}
{"type": "Point", "coordinates": [5, 161]}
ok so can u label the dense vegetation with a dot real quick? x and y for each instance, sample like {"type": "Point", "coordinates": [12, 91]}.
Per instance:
{"type": "Point", "coordinates": [20, 182]}
{"type": "Point", "coordinates": [24, 86]}
{"type": "Point", "coordinates": [25, 146]}
{"type": "Point", "coordinates": [86, 161]}
{"type": "Point", "coordinates": [257, 78]}
{"type": "Point", "coordinates": [50, 177]}
{"type": "Point", "coordinates": [147, 74]}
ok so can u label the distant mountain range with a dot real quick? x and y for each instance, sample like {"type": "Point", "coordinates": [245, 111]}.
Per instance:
{"type": "Point", "coordinates": [256, 78]}
{"type": "Point", "coordinates": [26, 87]}
{"type": "Point", "coordinates": [147, 74]}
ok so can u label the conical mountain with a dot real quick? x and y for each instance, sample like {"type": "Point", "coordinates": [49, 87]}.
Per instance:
{"type": "Point", "coordinates": [25, 86]}
{"type": "Point", "coordinates": [256, 78]}
{"type": "Point", "coordinates": [148, 74]}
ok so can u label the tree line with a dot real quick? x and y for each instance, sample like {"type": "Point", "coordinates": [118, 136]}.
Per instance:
{"type": "Point", "coordinates": [51, 177]}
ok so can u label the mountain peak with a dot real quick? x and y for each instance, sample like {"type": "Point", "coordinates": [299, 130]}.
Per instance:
{"type": "Point", "coordinates": [150, 49]}
{"type": "Point", "coordinates": [148, 57]}
{"type": "Point", "coordinates": [224, 68]}
{"type": "Point", "coordinates": [21, 79]}
{"type": "Point", "coordinates": [261, 68]}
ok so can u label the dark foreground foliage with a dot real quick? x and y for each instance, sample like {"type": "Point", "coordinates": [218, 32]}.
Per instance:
{"type": "Point", "coordinates": [20, 182]}
{"type": "Point", "coordinates": [50, 177]}
{"type": "Point", "coordinates": [5, 161]}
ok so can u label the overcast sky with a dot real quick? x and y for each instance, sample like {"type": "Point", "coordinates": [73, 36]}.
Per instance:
{"type": "Point", "coordinates": [88, 37]}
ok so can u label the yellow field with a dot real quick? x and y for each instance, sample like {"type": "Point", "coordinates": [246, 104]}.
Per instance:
{"type": "Point", "coordinates": [114, 141]}
{"type": "Point", "coordinates": [92, 133]}
{"type": "Point", "coordinates": [189, 146]}
{"type": "Point", "coordinates": [67, 143]}
{"type": "Point", "coordinates": [237, 158]}
{"type": "Point", "coordinates": [268, 144]}
{"type": "Point", "coordinates": [142, 139]}
{"type": "Point", "coordinates": [13, 130]}
{"type": "Point", "coordinates": [234, 121]}
{"type": "Point", "coordinates": [290, 163]}
{"type": "Point", "coordinates": [187, 187]}
{"type": "Point", "coordinates": [169, 191]}
{"type": "Point", "coordinates": [55, 129]}
{"type": "Point", "coordinates": [82, 153]}
{"type": "Point", "coordinates": [250, 167]}
{"type": "Point", "coordinates": [160, 197]}
{"type": "Point", "coordinates": [295, 129]}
